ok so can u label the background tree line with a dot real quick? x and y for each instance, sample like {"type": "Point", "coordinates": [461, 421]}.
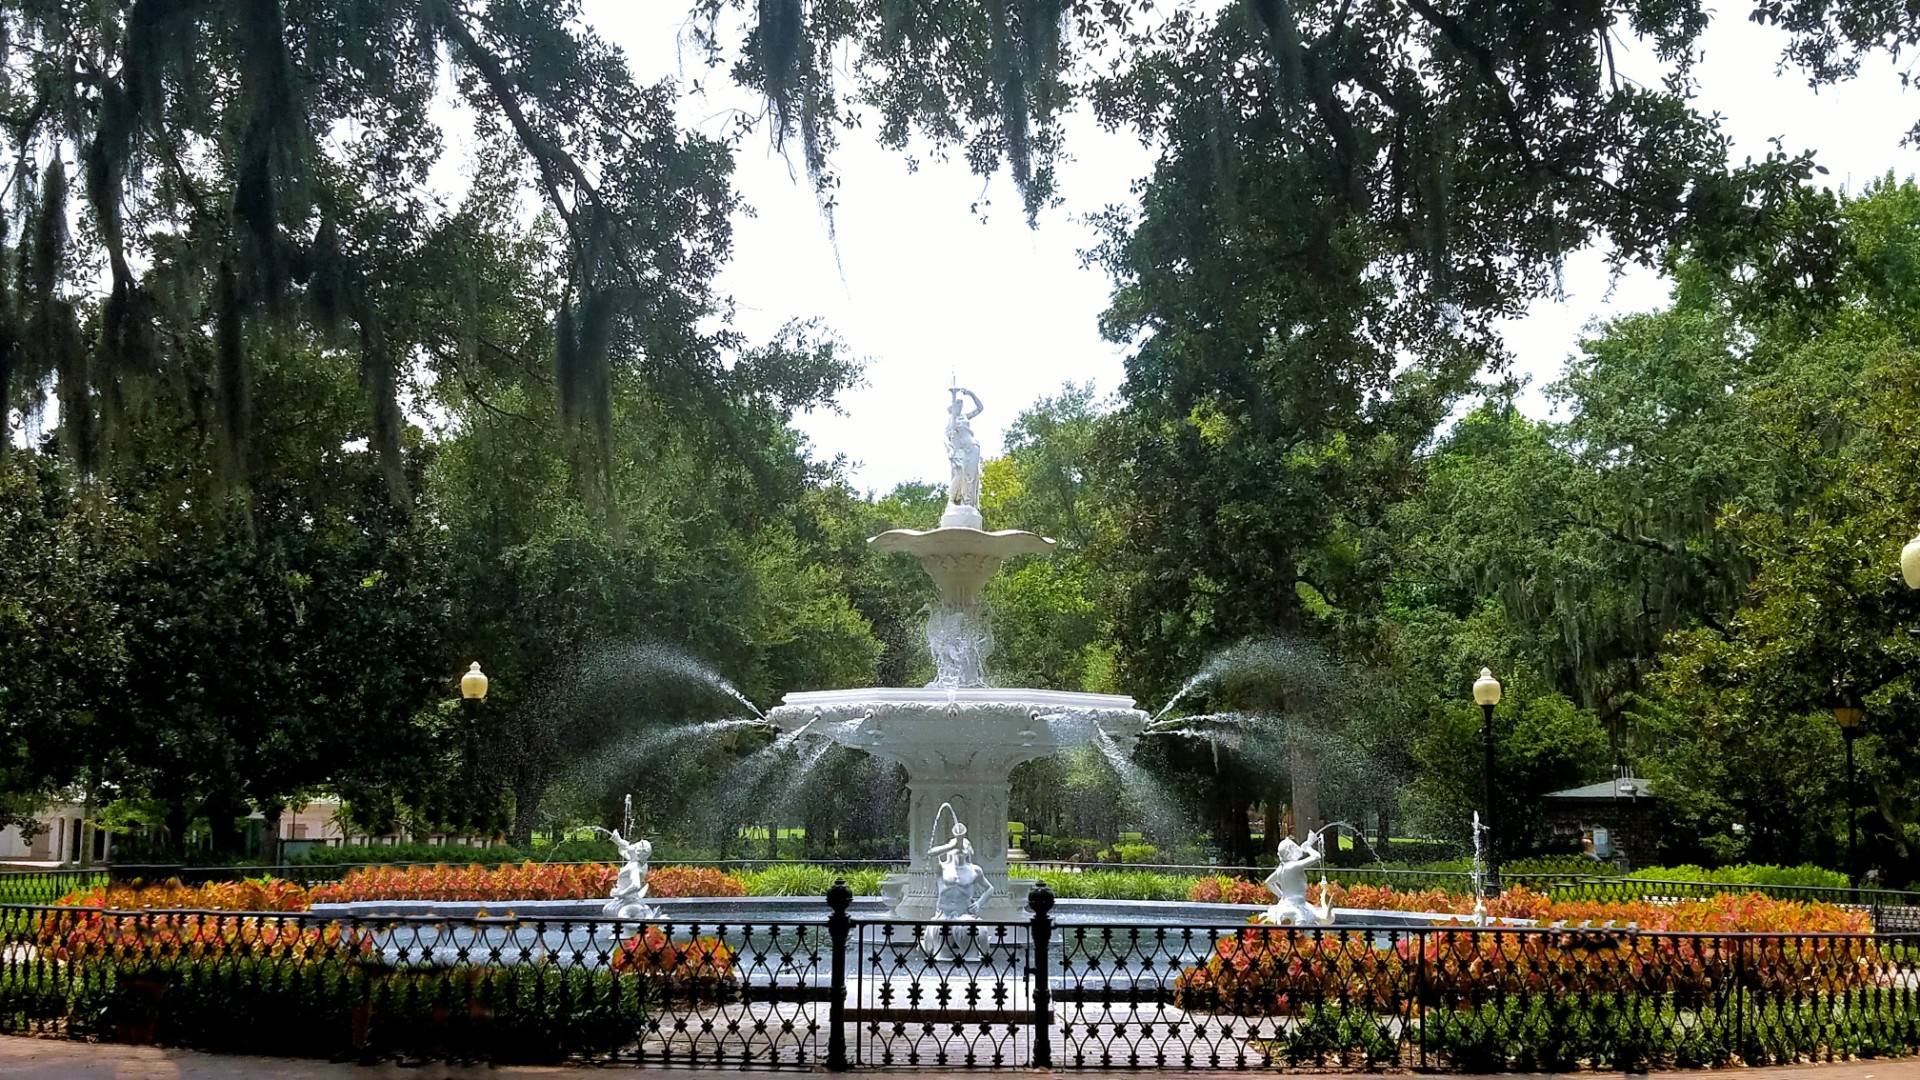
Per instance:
{"type": "Point", "coordinates": [292, 432]}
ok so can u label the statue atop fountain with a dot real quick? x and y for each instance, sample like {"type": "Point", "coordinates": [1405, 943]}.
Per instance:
{"type": "Point", "coordinates": [958, 737]}
{"type": "Point", "coordinates": [1288, 883]}
{"type": "Point", "coordinates": [963, 462]}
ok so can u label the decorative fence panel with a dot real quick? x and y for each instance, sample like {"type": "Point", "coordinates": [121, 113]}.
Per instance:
{"type": "Point", "coordinates": [847, 993]}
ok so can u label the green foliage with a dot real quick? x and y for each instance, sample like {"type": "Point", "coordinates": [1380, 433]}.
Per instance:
{"type": "Point", "coordinates": [62, 645]}
{"type": "Point", "coordinates": [1131, 853]}
{"type": "Point", "coordinates": [1748, 874]}
{"type": "Point", "coordinates": [1121, 885]}
{"type": "Point", "coordinates": [456, 855]}
{"type": "Point", "coordinates": [240, 1005]}
{"type": "Point", "coordinates": [805, 880]}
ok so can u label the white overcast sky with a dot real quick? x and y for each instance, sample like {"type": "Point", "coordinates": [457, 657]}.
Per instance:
{"type": "Point", "coordinates": [922, 289]}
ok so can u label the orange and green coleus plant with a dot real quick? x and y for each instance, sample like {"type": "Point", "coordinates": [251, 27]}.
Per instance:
{"type": "Point", "coordinates": [1726, 913]}
{"type": "Point", "coordinates": [525, 881]}
{"type": "Point", "coordinates": [254, 894]}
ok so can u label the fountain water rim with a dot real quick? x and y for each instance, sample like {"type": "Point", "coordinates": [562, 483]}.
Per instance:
{"type": "Point", "coordinates": [966, 695]}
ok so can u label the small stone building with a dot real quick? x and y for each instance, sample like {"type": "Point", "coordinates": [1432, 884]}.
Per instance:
{"type": "Point", "coordinates": [1614, 821]}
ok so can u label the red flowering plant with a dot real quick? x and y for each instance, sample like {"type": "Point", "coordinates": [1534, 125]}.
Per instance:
{"type": "Point", "coordinates": [1780, 945]}
{"type": "Point", "coordinates": [525, 881]}
{"type": "Point", "coordinates": [673, 881]}
{"type": "Point", "coordinates": [701, 968]}
{"type": "Point", "coordinates": [253, 894]}
{"type": "Point", "coordinates": [1221, 889]}
{"type": "Point", "coordinates": [91, 933]}
{"type": "Point", "coordinates": [172, 920]}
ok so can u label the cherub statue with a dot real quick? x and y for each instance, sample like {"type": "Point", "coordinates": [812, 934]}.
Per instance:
{"type": "Point", "coordinates": [1288, 883]}
{"type": "Point", "coordinates": [963, 450]}
{"type": "Point", "coordinates": [629, 895]}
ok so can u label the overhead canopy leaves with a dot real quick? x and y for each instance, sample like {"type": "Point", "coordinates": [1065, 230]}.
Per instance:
{"type": "Point", "coordinates": [258, 168]}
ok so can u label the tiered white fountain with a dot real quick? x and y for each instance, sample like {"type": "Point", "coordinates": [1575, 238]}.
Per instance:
{"type": "Point", "coordinates": [958, 737]}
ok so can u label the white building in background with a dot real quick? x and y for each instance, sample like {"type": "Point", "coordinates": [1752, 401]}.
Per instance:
{"type": "Point", "coordinates": [69, 835]}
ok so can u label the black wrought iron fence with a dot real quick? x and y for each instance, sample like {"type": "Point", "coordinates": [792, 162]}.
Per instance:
{"type": "Point", "coordinates": [45, 886]}
{"type": "Point", "coordinates": [845, 992]}
{"type": "Point", "coordinates": [492, 989]}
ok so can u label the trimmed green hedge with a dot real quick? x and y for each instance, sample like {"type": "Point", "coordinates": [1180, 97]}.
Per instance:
{"type": "Point", "coordinates": [805, 879]}
{"type": "Point", "coordinates": [349, 854]}
{"type": "Point", "coordinates": [332, 1008]}
{"type": "Point", "coordinates": [1762, 874]}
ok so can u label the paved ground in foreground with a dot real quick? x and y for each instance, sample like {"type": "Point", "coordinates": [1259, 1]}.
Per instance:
{"type": "Point", "coordinates": [23, 1058]}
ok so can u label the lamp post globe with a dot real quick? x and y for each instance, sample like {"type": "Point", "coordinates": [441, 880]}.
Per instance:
{"type": "Point", "coordinates": [1910, 563]}
{"type": "Point", "coordinates": [1486, 689]}
{"type": "Point", "coordinates": [473, 685]}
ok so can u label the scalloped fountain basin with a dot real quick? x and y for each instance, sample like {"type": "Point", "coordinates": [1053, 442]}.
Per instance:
{"type": "Point", "coordinates": [958, 745]}
{"type": "Point", "coordinates": [899, 723]}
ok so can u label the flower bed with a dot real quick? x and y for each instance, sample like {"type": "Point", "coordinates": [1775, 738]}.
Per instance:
{"type": "Point", "coordinates": [525, 881]}
{"type": "Point", "coordinates": [1278, 971]}
{"type": "Point", "coordinates": [261, 894]}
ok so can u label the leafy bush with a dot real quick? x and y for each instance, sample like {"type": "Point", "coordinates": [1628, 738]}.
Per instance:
{"type": "Point", "coordinates": [1759, 874]}
{"type": "Point", "coordinates": [671, 881]}
{"type": "Point", "coordinates": [1557, 865]}
{"type": "Point", "coordinates": [1120, 885]}
{"type": "Point", "coordinates": [1062, 848]}
{"type": "Point", "coordinates": [339, 1008]}
{"type": "Point", "coordinates": [1222, 889]}
{"type": "Point", "coordinates": [1271, 972]}
{"type": "Point", "coordinates": [803, 879]}
{"type": "Point", "coordinates": [526, 881]}
{"type": "Point", "coordinates": [429, 854]}
{"type": "Point", "coordinates": [259, 894]}
{"type": "Point", "coordinates": [1130, 853]}
{"type": "Point", "coordinates": [701, 969]}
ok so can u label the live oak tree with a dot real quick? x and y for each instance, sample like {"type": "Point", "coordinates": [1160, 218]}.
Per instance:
{"type": "Point", "coordinates": [240, 174]}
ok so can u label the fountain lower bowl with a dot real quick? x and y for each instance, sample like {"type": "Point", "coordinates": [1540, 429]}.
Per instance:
{"type": "Point", "coordinates": [1027, 722]}
{"type": "Point", "coordinates": [696, 912]}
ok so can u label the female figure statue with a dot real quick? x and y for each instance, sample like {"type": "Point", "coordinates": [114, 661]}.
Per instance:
{"type": "Point", "coordinates": [963, 885]}
{"type": "Point", "coordinates": [963, 888]}
{"type": "Point", "coordinates": [963, 450]}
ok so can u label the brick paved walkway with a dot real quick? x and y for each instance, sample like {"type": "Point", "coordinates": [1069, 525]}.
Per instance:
{"type": "Point", "coordinates": [23, 1058]}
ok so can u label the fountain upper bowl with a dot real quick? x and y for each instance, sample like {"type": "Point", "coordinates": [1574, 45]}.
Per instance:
{"type": "Point", "coordinates": [990, 727]}
{"type": "Point", "coordinates": [941, 697]}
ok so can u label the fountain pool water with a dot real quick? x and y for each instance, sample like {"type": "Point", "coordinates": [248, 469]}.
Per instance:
{"type": "Point", "coordinates": [957, 737]}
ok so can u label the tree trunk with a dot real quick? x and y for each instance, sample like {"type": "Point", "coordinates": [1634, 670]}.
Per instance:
{"type": "Point", "coordinates": [1270, 833]}
{"type": "Point", "coordinates": [177, 820]}
{"type": "Point", "coordinates": [272, 812]}
{"type": "Point", "coordinates": [1306, 790]}
{"type": "Point", "coordinates": [223, 828]}
{"type": "Point", "coordinates": [1238, 838]}
{"type": "Point", "coordinates": [527, 791]}
{"type": "Point", "coordinates": [1383, 836]}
